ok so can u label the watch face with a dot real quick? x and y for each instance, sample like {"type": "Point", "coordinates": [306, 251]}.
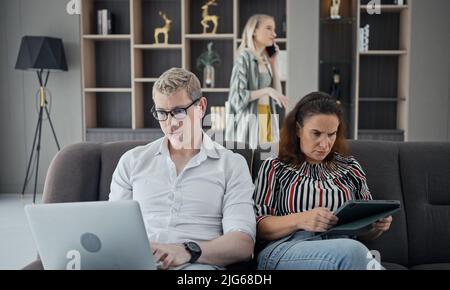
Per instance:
{"type": "Point", "coordinates": [193, 247]}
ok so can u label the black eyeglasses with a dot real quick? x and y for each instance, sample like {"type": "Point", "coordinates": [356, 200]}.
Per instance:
{"type": "Point", "coordinates": [178, 113]}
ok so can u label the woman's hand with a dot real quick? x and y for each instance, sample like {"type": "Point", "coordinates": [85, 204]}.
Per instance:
{"type": "Point", "coordinates": [170, 255]}
{"type": "Point", "coordinates": [382, 225]}
{"type": "Point", "coordinates": [319, 219]}
{"type": "Point", "coordinates": [273, 58]}
{"type": "Point", "coordinates": [281, 99]}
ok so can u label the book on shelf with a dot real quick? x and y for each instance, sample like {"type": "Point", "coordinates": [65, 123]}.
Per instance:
{"type": "Point", "coordinates": [104, 22]}
{"type": "Point", "coordinates": [218, 118]}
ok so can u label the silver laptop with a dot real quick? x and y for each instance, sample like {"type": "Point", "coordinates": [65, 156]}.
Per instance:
{"type": "Point", "coordinates": [90, 235]}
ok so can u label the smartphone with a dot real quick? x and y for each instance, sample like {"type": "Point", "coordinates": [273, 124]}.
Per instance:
{"type": "Point", "coordinates": [271, 50]}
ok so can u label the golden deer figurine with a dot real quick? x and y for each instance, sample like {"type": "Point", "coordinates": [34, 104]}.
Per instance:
{"type": "Point", "coordinates": [164, 30]}
{"type": "Point", "coordinates": [209, 18]}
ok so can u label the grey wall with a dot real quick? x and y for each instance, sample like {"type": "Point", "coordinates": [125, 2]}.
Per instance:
{"type": "Point", "coordinates": [429, 106]}
{"type": "Point", "coordinates": [303, 48]}
{"type": "Point", "coordinates": [18, 114]}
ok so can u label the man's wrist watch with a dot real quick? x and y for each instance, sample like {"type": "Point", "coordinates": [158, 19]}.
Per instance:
{"type": "Point", "coordinates": [194, 249]}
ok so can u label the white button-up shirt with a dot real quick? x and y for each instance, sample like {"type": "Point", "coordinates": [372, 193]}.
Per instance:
{"type": "Point", "coordinates": [210, 197]}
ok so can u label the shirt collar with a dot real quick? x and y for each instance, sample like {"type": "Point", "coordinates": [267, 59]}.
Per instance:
{"type": "Point", "coordinates": [208, 147]}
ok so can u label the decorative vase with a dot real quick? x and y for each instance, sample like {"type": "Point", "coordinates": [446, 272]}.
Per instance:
{"type": "Point", "coordinates": [209, 76]}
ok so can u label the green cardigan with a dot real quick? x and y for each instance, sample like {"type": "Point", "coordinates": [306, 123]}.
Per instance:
{"type": "Point", "coordinates": [242, 120]}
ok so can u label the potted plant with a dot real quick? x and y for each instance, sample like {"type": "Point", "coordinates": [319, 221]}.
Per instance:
{"type": "Point", "coordinates": [206, 62]}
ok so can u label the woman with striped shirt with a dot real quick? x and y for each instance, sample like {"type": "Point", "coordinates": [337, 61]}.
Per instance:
{"type": "Point", "coordinates": [297, 193]}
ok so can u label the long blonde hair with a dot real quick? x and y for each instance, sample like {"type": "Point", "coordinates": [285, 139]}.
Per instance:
{"type": "Point", "coordinates": [248, 40]}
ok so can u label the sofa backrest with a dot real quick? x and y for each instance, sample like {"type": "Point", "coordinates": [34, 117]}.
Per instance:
{"type": "Point", "coordinates": [380, 161]}
{"type": "Point", "coordinates": [83, 172]}
{"type": "Point", "coordinates": [417, 174]}
{"type": "Point", "coordinates": [425, 173]}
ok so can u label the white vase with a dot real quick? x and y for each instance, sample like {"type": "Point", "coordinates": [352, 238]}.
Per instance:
{"type": "Point", "coordinates": [209, 76]}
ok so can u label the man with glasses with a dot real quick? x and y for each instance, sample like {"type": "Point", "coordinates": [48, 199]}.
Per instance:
{"type": "Point", "coordinates": [195, 195]}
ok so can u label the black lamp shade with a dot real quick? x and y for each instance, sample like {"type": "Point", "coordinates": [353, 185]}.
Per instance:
{"type": "Point", "coordinates": [40, 52]}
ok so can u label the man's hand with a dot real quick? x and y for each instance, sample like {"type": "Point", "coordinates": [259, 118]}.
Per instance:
{"type": "Point", "coordinates": [378, 228]}
{"type": "Point", "coordinates": [170, 255]}
{"type": "Point", "coordinates": [383, 225]}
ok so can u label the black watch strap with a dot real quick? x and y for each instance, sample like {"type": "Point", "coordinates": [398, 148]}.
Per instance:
{"type": "Point", "coordinates": [194, 249]}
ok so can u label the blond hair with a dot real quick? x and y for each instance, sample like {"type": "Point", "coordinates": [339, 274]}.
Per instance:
{"type": "Point", "coordinates": [176, 79]}
{"type": "Point", "coordinates": [252, 24]}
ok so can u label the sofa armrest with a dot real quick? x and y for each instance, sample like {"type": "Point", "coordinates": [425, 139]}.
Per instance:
{"type": "Point", "coordinates": [73, 175]}
{"type": "Point", "coordinates": [35, 265]}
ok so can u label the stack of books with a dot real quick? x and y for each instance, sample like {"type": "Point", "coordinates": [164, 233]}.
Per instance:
{"type": "Point", "coordinates": [104, 22]}
{"type": "Point", "coordinates": [218, 118]}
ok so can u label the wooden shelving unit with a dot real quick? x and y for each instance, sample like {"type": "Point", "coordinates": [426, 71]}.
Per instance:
{"type": "Point", "coordinates": [375, 82]}
{"type": "Point", "coordinates": [382, 79]}
{"type": "Point", "coordinates": [119, 69]}
{"type": "Point", "coordinates": [337, 50]}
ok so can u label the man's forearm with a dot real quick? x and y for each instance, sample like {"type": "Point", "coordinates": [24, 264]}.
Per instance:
{"type": "Point", "coordinates": [369, 236]}
{"type": "Point", "coordinates": [228, 249]}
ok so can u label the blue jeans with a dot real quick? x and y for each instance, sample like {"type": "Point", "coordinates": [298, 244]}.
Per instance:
{"type": "Point", "coordinates": [304, 251]}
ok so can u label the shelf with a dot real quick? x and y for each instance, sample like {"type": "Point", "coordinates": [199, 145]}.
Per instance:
{"type": "Point", "coordinates": [215, 90]}
{"type": "Point", "coordinates": [107, 90]}
{"type": "Point", "coordinates": [112, 134]}
{"type": "Point", "coordinates": [383, 52]}
{"type": "Point", "coordinates": [277, 40]}
{"type": "Point", "coordinates": [210, 36]}
{"type": "Point", "coordinates": [158, 46]}
{"type": "Point", "coordinates": [378, 131]}
{"type": "Point", "coordinates": [343, 20]}
{"type": "Point", "coordinates": [145, 80]}
{"type": "Point", "coordinates": [122, 130]}
{"type": "Point", "coordinates": [109, 37]}
{"type": "Point", "coordinates": [388, 8]}
{"type": "Point", "coordinates": [382, 99]}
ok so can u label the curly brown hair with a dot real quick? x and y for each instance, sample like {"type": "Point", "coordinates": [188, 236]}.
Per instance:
{"type": "Point", "coordinates": [312, 104]}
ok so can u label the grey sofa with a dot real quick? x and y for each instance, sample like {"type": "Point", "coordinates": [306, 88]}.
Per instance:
{"type": "Point", "coordinates": [417, 174]}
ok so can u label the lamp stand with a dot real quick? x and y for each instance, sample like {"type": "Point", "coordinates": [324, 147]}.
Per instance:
{"type": "Point", "coordinates": [38, 132]}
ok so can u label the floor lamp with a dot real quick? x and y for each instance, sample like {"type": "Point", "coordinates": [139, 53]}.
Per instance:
{"type": "Point", "coordinates": [43, 55]}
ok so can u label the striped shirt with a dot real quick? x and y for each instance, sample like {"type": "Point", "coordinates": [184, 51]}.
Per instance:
{"type": "Point", "coordinates": [281, 190]}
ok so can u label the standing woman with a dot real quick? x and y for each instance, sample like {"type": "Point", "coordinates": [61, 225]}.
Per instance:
{"type": "Point", "coordinates": [255, 86]}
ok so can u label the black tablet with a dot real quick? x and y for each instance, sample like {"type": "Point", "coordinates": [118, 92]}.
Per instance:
{"type": "Point", "coordinates": [356, 216]}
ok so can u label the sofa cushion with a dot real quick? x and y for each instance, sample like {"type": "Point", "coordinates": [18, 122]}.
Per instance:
{"type": "Point", "coordinates": [393, 266]}
{"type": "Point", "coordinates": [441, 266]}
{"type": "Point", "coordinates": [380, 162]}
{"type": "Point", "coordinates": [425, 171]}
{"type": "Point", "coordinates": [35, 265]}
